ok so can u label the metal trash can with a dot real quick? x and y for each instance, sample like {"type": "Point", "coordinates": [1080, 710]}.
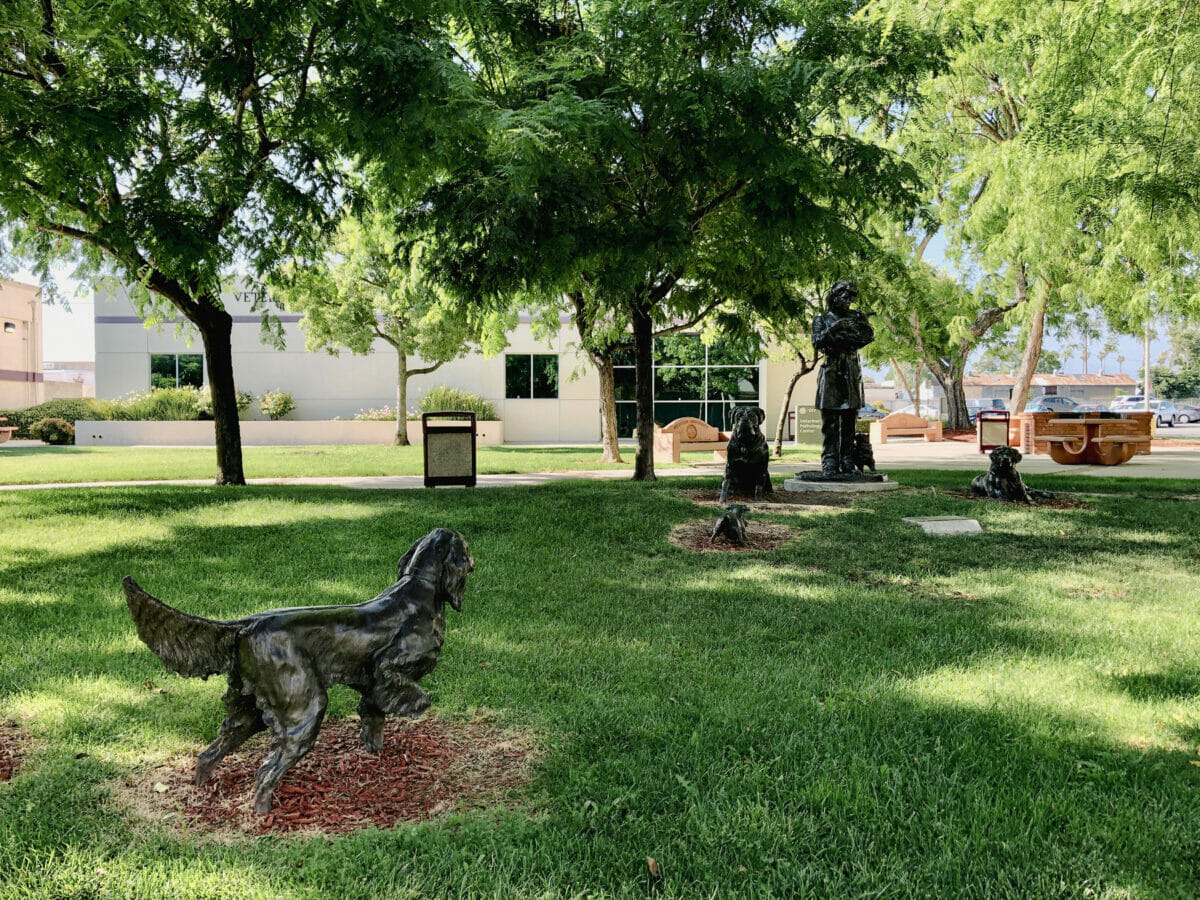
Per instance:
{"type": "Point", "coordinates": [991, 427]}
{"type": "Point", "coordinates": [449, 442]}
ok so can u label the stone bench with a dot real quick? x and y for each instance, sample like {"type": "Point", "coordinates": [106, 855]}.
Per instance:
{"type": "Point", "coordinates": [688, 435]}
{"type": "Point", "coordinates": [900, 424]}
{"type": "Point", "coordinates": [6, 431]}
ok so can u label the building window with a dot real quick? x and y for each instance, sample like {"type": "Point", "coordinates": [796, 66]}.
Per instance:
{"type": "Point", "coordinates": [691, 379]}
{"type": "Point", "coordinates": [170, 370]}
{"type": "Point", "coordinates": [531, 376]}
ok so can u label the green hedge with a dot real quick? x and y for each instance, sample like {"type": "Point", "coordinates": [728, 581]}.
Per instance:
{"type": "Point", "coordinates": [69, 409]}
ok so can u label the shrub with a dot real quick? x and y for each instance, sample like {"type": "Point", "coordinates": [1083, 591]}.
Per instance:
{"type": "Point", "coordinates": [53, 431]}
{"type": "Point", "coordinates": [245, 400]}
{"type": "Point", "coordinates": [383, 414]}
{"type": "Point", "coordinates": [179, 404]}
{"type": "Point", "coordinates": [68, 408]}
{"type": "Point", "coordinates": [276, 404]}
{"type": "Point", "coordinates": [448, 399]}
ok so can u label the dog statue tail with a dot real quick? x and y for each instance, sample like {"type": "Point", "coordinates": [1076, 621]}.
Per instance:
{"type": "Point", "coordinates": [186, 644]}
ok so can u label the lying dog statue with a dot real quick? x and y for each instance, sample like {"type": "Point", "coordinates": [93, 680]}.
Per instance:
{"type": "Point", "coordinates": [746, 456]}
{"type": "Point", "coordinates": [280, 662]}
{"type": "Point", "coordinates": [864, 456]}
{"type": "Point", "coordinates": [1002, 481]}
{"type": "Point", "coordinates": [731, 526]}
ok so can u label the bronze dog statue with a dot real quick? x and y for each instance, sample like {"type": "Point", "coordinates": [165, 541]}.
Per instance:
{"type": "Point", "coordinates": [731, 526]}
{"type": "Point", "coordinates": [1003, 481]}
{"type": "Point", "coordinates": [281, 662]}
{"type": "Point", "coordinates": [746, 456]}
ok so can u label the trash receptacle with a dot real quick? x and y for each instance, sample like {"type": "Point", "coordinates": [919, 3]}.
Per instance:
{"type": "Point", "coordinates": [449, 442]}
{"type": "Point", "coordinates": [992, 429]}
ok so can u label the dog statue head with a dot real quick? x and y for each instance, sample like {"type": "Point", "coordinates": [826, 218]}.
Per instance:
{"type": "Point", "coordinates": [746, 419]}
{"type": "Point", "coordinates": [1005, 457]}
{"type": "Point", "coordinates": [441, 559]}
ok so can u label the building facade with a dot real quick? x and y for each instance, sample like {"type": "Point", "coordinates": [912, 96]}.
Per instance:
{"type": "Point", "coordinates": [544, 390]}
{"type": "Point", "coordinates": [21, 379]}
{"type": "Point", "coordinates": [1080, 388]}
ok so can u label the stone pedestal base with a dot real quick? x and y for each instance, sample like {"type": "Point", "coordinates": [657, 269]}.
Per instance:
{"type": "Point", "coordinates": [853, 484]}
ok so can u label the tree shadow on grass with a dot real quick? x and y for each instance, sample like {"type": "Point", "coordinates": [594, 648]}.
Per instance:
{"type": "Point", "coordinates": [718, 714]}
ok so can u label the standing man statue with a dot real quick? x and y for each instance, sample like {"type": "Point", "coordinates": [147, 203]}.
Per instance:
{"type": "Point", "coordinates": [840, 333]}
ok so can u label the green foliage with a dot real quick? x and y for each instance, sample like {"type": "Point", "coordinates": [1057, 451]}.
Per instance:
{"type": "Point", "coordinates": [53, 431]}
{"type": "Point", "coordinates": [160, 405]}
{"type": "Point", "coordinates": [70, 409]}
{"type": "Point", "coordinates": [448, 399]}
{"type": "Point", "coordinates": [1003, 355]}
{"type": "Point", "coordinates": [204, 408]}
{"type": "Point", "coordinates": [276, 404]}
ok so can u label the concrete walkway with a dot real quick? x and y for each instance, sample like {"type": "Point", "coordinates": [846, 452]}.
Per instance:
{"type": "Point", "coordinates": [896, 455]}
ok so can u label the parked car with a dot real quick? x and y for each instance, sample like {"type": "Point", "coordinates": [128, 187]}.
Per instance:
{"type": "Point", "coordinates": [1050, 403]}
{"type": "Point", "coordinates": [1164, 410]}
{"type": "Point", "coordinates": [1090, 407]}
{"type": "Point", "coordinates": [974, 407]}
{"type": "Point", "coordinates": [1185, 412]}
{"type": "Point", "coordinates": [870, 412]}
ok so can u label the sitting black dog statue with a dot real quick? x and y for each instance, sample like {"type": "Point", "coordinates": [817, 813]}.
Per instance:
{"type": "Point", "coordinates": [731, 526]}
{"type": "Point", "coordinates": [747, 456]}
{"type": "Point", "coordinates": [1002, 481]}
{"type": "Point", "coordinates": [864, 456]}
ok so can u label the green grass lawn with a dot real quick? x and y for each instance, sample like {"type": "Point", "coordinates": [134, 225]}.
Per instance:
{"type": "Point", "coordinates": [865, 711]}
{"type": "Point", "coordinates": [49, 465]}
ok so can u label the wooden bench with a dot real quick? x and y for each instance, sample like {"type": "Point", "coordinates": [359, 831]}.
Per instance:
{"type": "Point", "coordinates": [904, 425]}
{"type": "Point", "coordinates": [688, 435]}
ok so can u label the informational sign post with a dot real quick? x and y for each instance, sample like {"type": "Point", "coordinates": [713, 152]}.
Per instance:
{"type": "Point", "coordinates": [449, 442]}
{"type": "Point", "coordinates": [808, 425]}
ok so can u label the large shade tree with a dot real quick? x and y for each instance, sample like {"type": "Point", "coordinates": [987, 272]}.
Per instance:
{"type": "Point", "coordinates": [363, 292]}
{"type": "Point", "coordinates": [659, 158]}
{"type": "Point", "coordinates": [176, 143]}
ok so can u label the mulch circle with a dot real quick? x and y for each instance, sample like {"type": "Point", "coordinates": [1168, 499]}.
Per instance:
{"type": "Point", "coordinates": [1056, 502]}
{"type": "Point", "coordinates": [697, 537]}
{"type": "Point", "coordinates": [12, 749]}
{"type": "Point", "coordinates": [425, 769]}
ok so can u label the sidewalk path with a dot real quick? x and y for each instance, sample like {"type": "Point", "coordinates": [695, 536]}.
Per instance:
{"type": "Point", "coordinates": [895, 455]}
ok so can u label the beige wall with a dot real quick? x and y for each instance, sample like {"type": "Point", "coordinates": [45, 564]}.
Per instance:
{"type": "Point", "coordinates": [325, 387]}
{"type": "Point", "coordinates": [21, 349]}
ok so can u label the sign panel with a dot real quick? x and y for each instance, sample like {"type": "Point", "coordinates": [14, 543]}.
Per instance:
{"type": "Point", "coordinates": [808, 425]}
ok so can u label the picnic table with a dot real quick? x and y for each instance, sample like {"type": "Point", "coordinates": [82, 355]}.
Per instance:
{"type": "Point", "coordinates": [1089, 438]}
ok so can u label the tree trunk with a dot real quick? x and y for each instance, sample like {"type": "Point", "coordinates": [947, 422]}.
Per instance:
{"type": "Point", "coordinates": [611, 451]}
{"type": "Point", "coordinates": [401, 439]}
{"type": "Point", "coordinates": [904, 381]}
{"type": "Point", "coordinates": [216, 328]}
{"type": "Point", "coordinates": [783, 413]}
{"type": "Point", "coordinates": [1033, 350]}
{"type": "Point", "coordinates": [956, 399]}
{"type": "Point", "coordinates": [643, 342]}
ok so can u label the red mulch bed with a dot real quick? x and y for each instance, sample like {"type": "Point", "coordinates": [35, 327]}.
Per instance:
{"type": "Point", "coordinates": [697, 537]}
{"type": "Point", "coordinates": [12, 746]}
{"type": "Point", "coordinates": [426, 768]}
{"type": "Point", "coordinates": [967, 435]}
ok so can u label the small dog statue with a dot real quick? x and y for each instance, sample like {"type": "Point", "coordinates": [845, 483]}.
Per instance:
{"type": "Point", "coordinates": [280, 663]}
{"type": "Point", "coordinates": [731, 526]}
{"type": "Point", "coordinates": [1002, 481]}
{"type": "Point", "coordinates": [746, 456]}
{"type": "Point", "coordinates": [864, 456]}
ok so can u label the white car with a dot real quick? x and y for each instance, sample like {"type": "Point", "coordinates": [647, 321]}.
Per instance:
{"type": "Point", "coordinates": [1164, 409]}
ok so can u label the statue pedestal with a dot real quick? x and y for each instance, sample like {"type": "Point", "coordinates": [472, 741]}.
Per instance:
{"type": "Point", "coordinates": [814, 480]}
